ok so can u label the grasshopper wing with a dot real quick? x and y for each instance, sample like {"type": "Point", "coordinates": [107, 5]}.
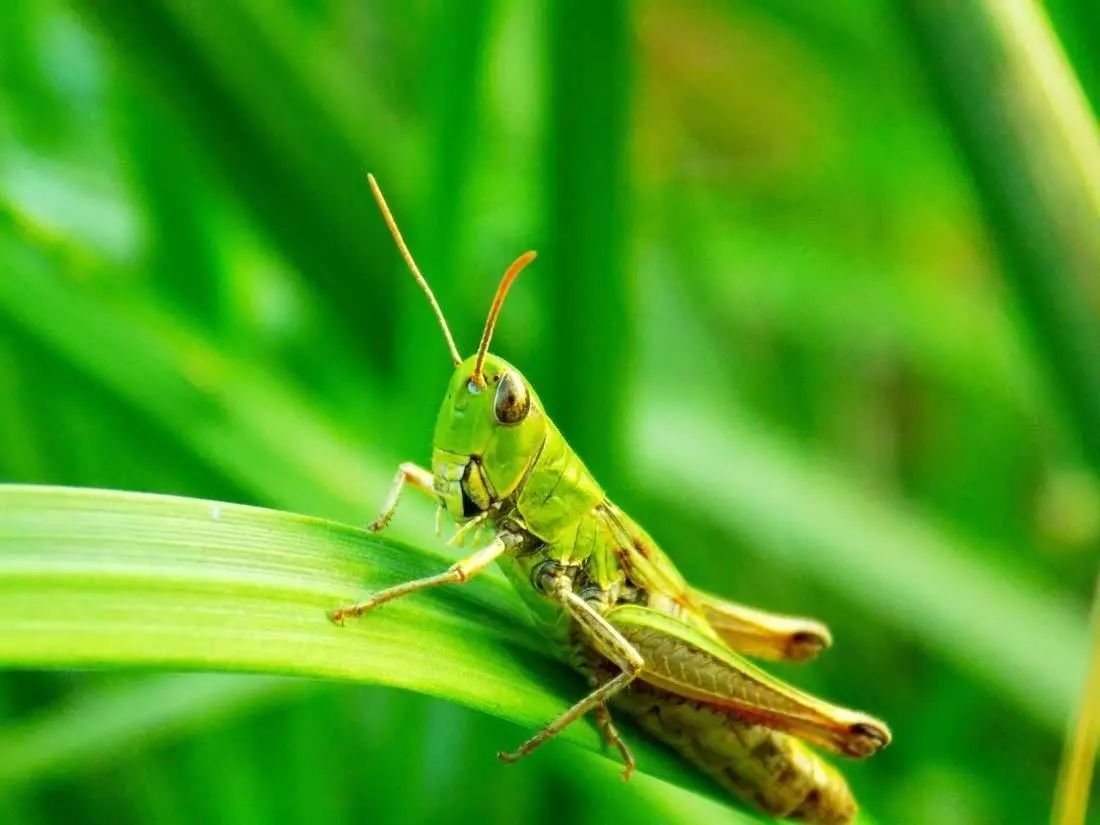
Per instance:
{"type": "Point", "coordinates": [744, 629]}
{"type": "Point", "coordinates": [765, 635]}
{"type": "Point", "coordinates": [645, 563]}
{"type": "Point", "coordinates": [687, 662]}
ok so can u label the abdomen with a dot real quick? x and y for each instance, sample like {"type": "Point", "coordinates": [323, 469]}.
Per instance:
{"type": "Point", "coordinates": [765, 768]}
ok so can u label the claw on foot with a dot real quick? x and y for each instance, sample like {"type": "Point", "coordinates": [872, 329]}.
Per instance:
{"type": "Point", "coordinates": [510, 758]}
{"type": "Point", "coordinates": [340, 614]}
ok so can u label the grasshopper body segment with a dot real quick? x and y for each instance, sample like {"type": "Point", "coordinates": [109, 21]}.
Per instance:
{"type": "Point", "coordinates": [614, 605]}
{"type": "Point", "coordinates": [772, 771]}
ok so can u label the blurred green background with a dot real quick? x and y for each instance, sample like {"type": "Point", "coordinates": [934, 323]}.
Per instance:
{"type": "Point", "coordinates": [813, 301]}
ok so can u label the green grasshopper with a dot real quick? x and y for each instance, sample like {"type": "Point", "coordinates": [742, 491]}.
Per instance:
{"type": "Point", "coordinates": [613, 604]}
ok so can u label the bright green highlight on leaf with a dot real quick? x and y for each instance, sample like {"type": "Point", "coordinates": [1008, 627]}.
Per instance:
{"type": "Point", "coordinates": [93, 578]}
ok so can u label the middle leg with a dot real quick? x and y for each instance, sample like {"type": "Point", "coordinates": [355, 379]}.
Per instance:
{"type": "Point", "coordinates": [611, 736]}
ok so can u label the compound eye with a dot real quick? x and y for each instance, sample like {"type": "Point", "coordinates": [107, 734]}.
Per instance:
{"type": "Point", "coordinates": [513, 401]}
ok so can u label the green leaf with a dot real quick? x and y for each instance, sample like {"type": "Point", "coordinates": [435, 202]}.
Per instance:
{"type": "Point", "coordinates": [93, 578]}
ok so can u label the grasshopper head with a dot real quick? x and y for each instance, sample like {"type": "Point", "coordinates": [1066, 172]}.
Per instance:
{"type": "Point", "coordinates": [491, 423]}
{"type": "Point", "coordinates": [486, 435]}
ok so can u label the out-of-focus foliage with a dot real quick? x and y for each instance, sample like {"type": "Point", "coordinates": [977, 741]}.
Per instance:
{"type": "Point", "coordinates": [782, 296]}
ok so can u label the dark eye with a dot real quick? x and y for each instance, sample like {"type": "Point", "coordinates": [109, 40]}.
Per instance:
{"type": "Point", "coordinates": [513, 402]}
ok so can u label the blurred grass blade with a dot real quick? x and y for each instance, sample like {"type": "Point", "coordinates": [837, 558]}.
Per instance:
{"type": "Point", "coordinates": [234, 76]}
{"type": "Point", "coordinates": [1026, 643]}
{"type": "Point", "coordinates": [587, 177]}
{"type": "Point", "coordinates": [1077, 22]}
{"type": "Point", "coordinates": [117, 721]}
{"type": "Point", "coordinates": [1032, 145]}
{"type": "Point", "coordinates": [973, 346]}
{"type": "Point", "coordinates": [234, 418]}
{"type": "Point", "coordinates": [1071, 799]}
{"type": "Point", "coordinates": [455, 91]}
{"type": "Point", "coordinates": [122, 723]}
{"type": "Point", "coordinates": [92, 578]}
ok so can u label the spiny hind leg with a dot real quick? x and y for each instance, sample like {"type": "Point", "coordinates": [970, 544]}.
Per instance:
{"type": "Point", "coordinates": [458, 573]}
{"type": "Point", "coordinates": [611, 736]}
{"type": "Point", "coordinates": [407, 473]}
{"type": "Point", "coordinates": [611, 643]}
{"type": "Point", "coordinates": [717, 676]}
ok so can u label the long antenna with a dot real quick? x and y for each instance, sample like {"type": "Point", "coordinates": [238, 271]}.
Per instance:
{"type": "Point", "coordinates": [413, 268]}
{"type": "Point", "coordinates": [498, 301]}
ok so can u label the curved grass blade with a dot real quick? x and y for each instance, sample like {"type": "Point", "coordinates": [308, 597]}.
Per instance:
{"type": "Point", "coordinates": [94, 578]}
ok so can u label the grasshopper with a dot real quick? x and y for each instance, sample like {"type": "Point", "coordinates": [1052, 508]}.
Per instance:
{"type": "Point", "coordinates": [613, 604]}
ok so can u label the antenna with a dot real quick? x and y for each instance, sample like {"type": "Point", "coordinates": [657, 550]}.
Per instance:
{"type": "Point", "coordinates": [400, 241]}
{"type": "Point", "coordinates": [498, 301]}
